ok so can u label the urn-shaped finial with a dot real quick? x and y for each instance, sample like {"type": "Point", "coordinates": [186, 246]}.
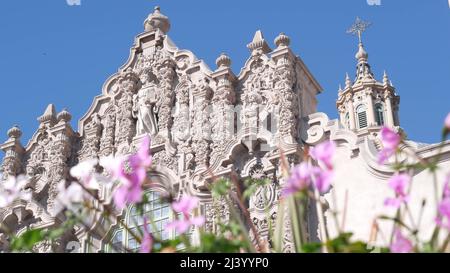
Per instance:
{"type": "Point", "coordinates": [14, 132]}
{"type": "Point", "coordinates": [223, 61]}
{"type": "Point", "coordinates": [282, 40]}
{"type": "Point", "coordinates": [65, 116]}
{"type": "Point", "coordinates": [157, 20]}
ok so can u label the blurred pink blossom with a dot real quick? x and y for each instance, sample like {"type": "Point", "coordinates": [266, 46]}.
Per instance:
{"type": "Point", "coordinates": [131, 172]}
{"type": "Point", "coordinates": [185, 206]}
{"type": "Point", "coordinates": [324, 153]}
{"type": "Point", "coordinates": [299, 180]}
{"type": "Point", "coordinates": [323, 179]}
{"type": "Point", "coordinates": [443, 220]}
{"type": "Point", "coordinates": [401, 244]}
{"type": "Point", "coordinates": [147, 240]}
{"type": "Point", "coordinates": [390, 141]}
{"type": "Point", "coordinates": [399, 183]}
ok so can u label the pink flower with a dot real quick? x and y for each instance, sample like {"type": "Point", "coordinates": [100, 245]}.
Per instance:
{"type": "Point", "coordinates": [447, 122]}
{"type": "Point", "coordinates": [185, 206]}
{"type": "Point", "coordinates": [324, 153]}
{"type": "Point", "coordinates": [401, 244]}
{"type": "Point", "coordinates": [323, 179]}
{"type": "Point", "coordinates": [147, 240]}
{"type": "Point", "coordinates": [303, 174]}
{"type": "Point", "coordinates": [131, 171]}
{"type": "Point", "coordinates": [12, 189]}
{"type": "Point", "coordinates": [390, 141]}
{"type": "Point", "coordinates": [443, 219]}
{"type": "Point", "coordinates": [444, 213]}
{"type": "Point", "coordinates": [299, 180]}
{"type": "Point", "coordinates": [399, 183]}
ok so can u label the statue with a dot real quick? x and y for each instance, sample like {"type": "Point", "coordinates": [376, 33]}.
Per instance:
{"type": "Point", "coordinates": [144, 109]}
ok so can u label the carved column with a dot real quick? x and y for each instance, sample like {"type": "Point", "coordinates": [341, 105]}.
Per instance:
{"type": "Point", "coordinates": [107, 141]}
{"type": "Point", "coordinates": [223, 103]}
{"type": "Point", "coordinates": [201, 124]}
{"type": "Point", "coordinates": [59, 154]}
{"type": "Point", "coordinates": [125, 124]}
{"type": "Point", "coordinates": [288, 101]}
{"type": "Point", "coordinates": [12, 162]}
{"type": "Point", "coordinates": [90, 144]}
{"type": "Point", "coordinates": [166, 76]}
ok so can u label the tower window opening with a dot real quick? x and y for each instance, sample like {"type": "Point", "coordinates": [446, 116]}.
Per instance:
{"type": "Point", "coordinates": [379, 114]}
{"type": "Point", "coordinates": [362, 116]}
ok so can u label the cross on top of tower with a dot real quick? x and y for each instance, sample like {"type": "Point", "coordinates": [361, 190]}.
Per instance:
{"type": "Point", "coordinates": [358, 28]}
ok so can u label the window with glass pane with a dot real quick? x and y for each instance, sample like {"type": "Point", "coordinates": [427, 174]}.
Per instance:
{"type": "Point", "coordinates": [159, 212]}
{"type": "Point", "coordinates": [379, 114]}
{"type": "Point", "coordinates": [362, 116]}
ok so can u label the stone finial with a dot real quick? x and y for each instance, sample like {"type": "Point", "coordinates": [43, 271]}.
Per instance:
{"type": "Point", "coordinates": [282, 40]}
{"type": "Point", "coordinates": [65, 116]}
{"type": "Point", "coordinates": [157, 20]}
{"type": "Point", "coordinates": [223, 61]}
{"type": "Point", "coordinates": [14, 132]}
{"type": "Point", "coordinates": [386, 80]}
{"type": "Point", "coordinates": [348, 82]}
{"type": "Point", "coordinates": [259, 43]}
{"type": "Point", "coordinates": [49, 114]}
{"type": "Point", "coordinates": [361, 55]}
{"type": "Point", "coordinates": [340, 90]}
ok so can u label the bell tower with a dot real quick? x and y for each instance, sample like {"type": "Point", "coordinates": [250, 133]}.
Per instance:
{"type": "Point", "coordinates": [366, 104]}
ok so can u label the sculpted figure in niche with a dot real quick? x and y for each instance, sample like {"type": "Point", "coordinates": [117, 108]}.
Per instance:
{"type": "Point", "coordinates": [144, 105]}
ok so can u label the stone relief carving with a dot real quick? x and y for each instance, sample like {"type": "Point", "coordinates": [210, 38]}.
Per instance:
{"type": "Point", "coordinates": [144, 108]}
{"type": "Point", "coordinates": [107, 140]}
{"type": "Point", "coordinates": [190, 112]}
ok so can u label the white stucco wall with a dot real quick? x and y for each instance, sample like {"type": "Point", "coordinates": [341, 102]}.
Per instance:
{"type": "Point", "coordinates": [366, 194]}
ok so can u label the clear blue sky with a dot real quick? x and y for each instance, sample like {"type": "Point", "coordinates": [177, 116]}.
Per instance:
{"type": "Point", "coordinates": [51, 52]}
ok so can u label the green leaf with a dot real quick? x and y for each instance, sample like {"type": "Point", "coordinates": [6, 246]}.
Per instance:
{"type": "Point", "coordinates": [27, 240]}
{"type": "Point", "coordinates": [312, 248]}
{"type": "Point", "coordinates": [220, 187]}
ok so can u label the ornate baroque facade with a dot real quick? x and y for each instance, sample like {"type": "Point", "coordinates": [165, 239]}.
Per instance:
{"type": "Point", "coordinates": [207, 123]}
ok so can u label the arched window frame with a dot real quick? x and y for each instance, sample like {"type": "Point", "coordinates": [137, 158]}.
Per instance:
{"type": "Point", "coordinates": [126, 240]}
{"type": "Point", "coordinates": [361, 114]}
{"type": "Point", "coordinates": [379, 114]}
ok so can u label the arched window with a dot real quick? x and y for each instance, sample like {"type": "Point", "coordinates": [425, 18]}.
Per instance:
{"type": "Point", "coordinates": [379, 114]}
{"type": "Point", "coordinates": [362, 116]}
{"type": "Point", "coordinates": [154, 209]}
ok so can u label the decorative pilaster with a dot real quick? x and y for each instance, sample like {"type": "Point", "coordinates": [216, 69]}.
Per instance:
{"type": "Point", "coordinates": [166, 78]}
{"type": "Point", "coordinates": [12, 162]}
{"type": "Point", "coordinates": [59, 155]}
{"type": "Point", "coordinates": [284, 86]}
{"type": "Point", "coordinates": [90, 144]}
{"type": "Point", "coordinates": [223, 101]}
{"type": "Point", "coordinates": [201, 126]}
{"type": "Point", "coordinates": [128, 84]}
{"type": "Point", "coordinates": [107, 141]}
